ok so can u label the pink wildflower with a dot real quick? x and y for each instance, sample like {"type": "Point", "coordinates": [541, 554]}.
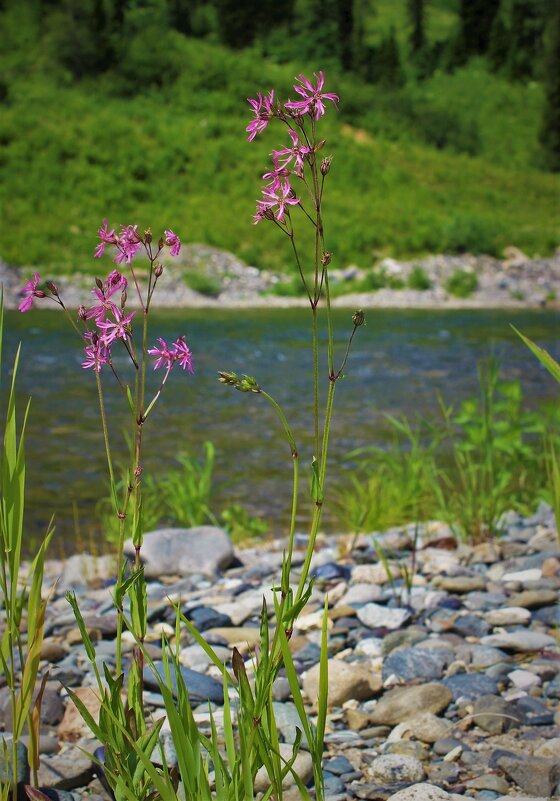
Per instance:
{"type": "Point", "coordinates": [182, 354]}
{"type": "Point", "coordinates": [178, 352]}
{"type": "Point", "coordinates": [114, 282]}
{"type": "Point", "coordinates": [172, 241]}
{"type": "Point", "coordinates": [129, 242]}
{"type": "Point", "coordinates": [297, 152]}
{"type": "Point", "coordinates": [164, 355]}
{"type": "Point", "coordinates": [96, 352]}
{"type": "Point", "coordinates": [281, 197]}
{"type": "Point", "coordinates": [30, 290]}
{"type": "Point", "coordinates": [275, 175]}
{"type": "Point", "coordinates": [107, 238]}
{"type": "Point", "coordinates": [119, 329]}
{"type": "Point", "coordinates": [262, 109]}
{"type": "Point", "coordinates": [104, 307]}
{"type": "Point", "coordinates": [313, 97]}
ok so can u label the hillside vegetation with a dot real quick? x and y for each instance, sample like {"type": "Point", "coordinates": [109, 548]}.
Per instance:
{"type": "Point", "coordinates": [435, 153]}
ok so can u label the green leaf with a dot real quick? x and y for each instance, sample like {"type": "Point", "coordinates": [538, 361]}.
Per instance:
{"type": "Point", "coordinates": [542, 355]}
{"type": "Point", "coordinates": [316, 487]}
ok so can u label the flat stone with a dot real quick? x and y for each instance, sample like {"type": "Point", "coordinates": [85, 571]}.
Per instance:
{"type": "Point", "coordinates": [461, 584]}
{"type": "Point", "coordinates": [202, 550]}
{"type": "Point", "coordinates": [416, 663]}
{"type": "Point", "coordinates": [360, 594]}
{"type": "Point", "coordinates": [508, 616]}
{"type": "Point", "coordinates": [520, 641]}
{"type": "Point", "coordinates": [470, 685]}
{"type": "Point", "coordinates": [376, 616]}
{"type": "Point", "coordinates": [488, 782]}
{"type": "Point", "coordinates": [201, 688]}
{"type": "Point", "coordinates": [346, 681]}
{"type": "Point", "coordinates": [533, 599]}
{"type": "Point", "coordinates": [396, 768]}
{"type": "Point", "coordinates": [204, 617]}
{"type": "Point", "coordinates": [52, 650]}
{"type": "Point", "coordinates": [287, 720]}
{"type": "Point", "coordinates": [524, 679]}
{"type": "Point", "coordinates": [236, 635]}
{"type": "Point", "coordinates": [80, 570]}
{"type": "Point", "coordinates": [522, 576]}
{"type": "Point", "coordinates": [66, 770]}
{"type": "Point", "coordinates": [402, 703]}
{"type": "Point", "coordinates": [426, 727]}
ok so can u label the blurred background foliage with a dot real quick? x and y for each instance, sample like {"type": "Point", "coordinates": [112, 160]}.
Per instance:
{"type": "Point", "coordinates": [448, 136]}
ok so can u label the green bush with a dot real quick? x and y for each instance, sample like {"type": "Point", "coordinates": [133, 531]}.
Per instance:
{"type": "Point", "coordinates": [418, 279]}
{"type": "Point", "coordinates": [462, 283]}
{"type": "Point", "coordinates": [199, 281]}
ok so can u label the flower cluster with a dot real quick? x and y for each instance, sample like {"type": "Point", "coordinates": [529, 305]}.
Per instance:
{"type": "Point", "coordinates": [109, 319]}
{"type": "Point", "coordinates": [128, 242]}
{"type": "Point", "coordinates": [278, 194]}
{"type": "Point", "coordinates": [176, 353]}
{"type": "Point", "coordinates": [30, 290]}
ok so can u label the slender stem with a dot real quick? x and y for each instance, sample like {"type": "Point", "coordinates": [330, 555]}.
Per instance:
{"type": "Point", "coordinates": [348, 346]}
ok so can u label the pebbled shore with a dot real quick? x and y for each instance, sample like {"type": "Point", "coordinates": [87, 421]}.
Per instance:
{"type": "Point", "coordinates": [517, 281]}
{"type": "Point", "coordinates": [448, 692]}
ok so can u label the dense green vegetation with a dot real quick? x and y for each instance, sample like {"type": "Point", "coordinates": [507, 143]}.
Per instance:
{"type": "Point", "coordinates": [136, 111]}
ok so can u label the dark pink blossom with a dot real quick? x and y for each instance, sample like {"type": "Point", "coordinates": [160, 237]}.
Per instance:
{"type": "Point", "coordinates": [104, 307]}
{"type": "Point", "coordinates": [276, 175]}
{"type": "Point", "coordinates": [297, 153]}
{"type": "Point", "coordinates": [107, 238]}
{"type": "Point", "coordinates": [164, 355]}
{"type": "Point", "coordinates": [177, 353]}
{"type": "Point", "coordinates": [172, 241]}
{"type": "Point", "coordinates": [313, 97]}
{"type": "Point", "coordinates": [96, 352]}
{"type": "Point", "coordinates": [30, 290]}
{"type": "Point", "coordinates": [129, 242]}
{"type": "Point", "coordinates": [281, 197]}
{"type": "Point", "coordinates": [182, 354]}
{"type": "Point", "coordinates": [117, 329]}
{"type": "Point", "coordinates": [114, 282]}
{"type": "Point", "coordinates": [262, 109]}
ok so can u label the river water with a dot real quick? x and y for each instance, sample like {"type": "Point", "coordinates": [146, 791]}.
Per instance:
{"type": "Point", "coordinates": [400, 360]}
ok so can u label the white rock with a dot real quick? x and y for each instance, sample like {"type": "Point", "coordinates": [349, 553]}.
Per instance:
{"type": "Point", "coordinates": [532, 574]}
{"type": "Point", "coordinates": [391, 768]}
{"type": "Point", "coordinates": [372, 646]}
{"type": "Point", "coordinates": [524, 679]}
{"type": "Point", "coordinates": [361, 594]}
{"type": "Point", "coordinates": [184, 551]}
{"type": "Point", "coordinates": [425, 792]}
{"type": "Point", "coordinates": [373, 574]}
{"type": "Point", "coordinates": [303, 766]}
{"type": "Point", "coordinates": [375, 616]}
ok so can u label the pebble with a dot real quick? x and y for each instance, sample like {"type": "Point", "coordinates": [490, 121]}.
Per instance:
{"type": "Point", "coordinates": [455, 696]}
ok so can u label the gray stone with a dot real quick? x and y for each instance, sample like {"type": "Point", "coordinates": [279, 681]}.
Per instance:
{"type": "Point", "coordinates": [522, 640]}
{"type": "Point", "coordinates": [534, 775]}
{"type": "Point", "coordinates": [396, 768]}
{"type": "Point", "coordinates": [178, 551]}
{"type": "Point", "coordinates": [416, 663]}
{"type": "Point", "coordinates": [346, 681]}
{"type": "Point", "coordinates": [303, 766]}
{"type": "Point", "coordinates": [470, 685]}
{"type": "Point", "coordinates": [495, 715]}
{"type": "Point", "coordinates": [201, 688]}
{"type": "Point", "coordinates": [66, 770]}
{"type": "Point", "coordinates": [425, 792]}
{"type": "Point", "coordinates": [287, 720]}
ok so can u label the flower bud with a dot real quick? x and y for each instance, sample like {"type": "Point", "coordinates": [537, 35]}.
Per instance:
{"type": "Point", "coordinates": [161, 242]}
{"type": "Point", "coordinates": [124, 296]}
{"type": "Point", "coordinates": [326, 258]}
{"type": "Point", "coordinates": [326, 165]}
{"type": "Point", "coordinates": [159, 270]}
{"type": "Point", "coordinates": [227, 378]}
{"type": "Point", "coordinates": [138, 471]}
{"type": "Point", "coordinates": [82, 312]}
{"type": "Point", "coordinates": [358, 318]}
{"type": "Point", "coordinates": [268, 214]}
{"type": "Point", "coordinates": [320, 145]}
{"type": "Point", "coordinates": [38, 293]}
{"type": "Point", "coordinates": [52, 287]}
{"type": "Point", "coordinates": [99, 283]}
{"type": "Point", "coordinates": [148, 236]}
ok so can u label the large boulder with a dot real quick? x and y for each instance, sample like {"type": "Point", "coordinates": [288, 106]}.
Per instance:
{"type": "Point", "coordinates": [184, 551]}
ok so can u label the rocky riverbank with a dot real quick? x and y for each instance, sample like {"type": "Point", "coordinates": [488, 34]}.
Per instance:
{"type": "Point", "coordinates": [207, 277]}
{"type": "Point", "coordinates": [447, 690]}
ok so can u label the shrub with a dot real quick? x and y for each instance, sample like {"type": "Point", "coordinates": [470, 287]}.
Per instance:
{"type": "Point", "coordinates": [462, 283]}
{"type": "Point", "coordinates": [204, 284]}
{"type": "Point", "coordinates": [418, 279]}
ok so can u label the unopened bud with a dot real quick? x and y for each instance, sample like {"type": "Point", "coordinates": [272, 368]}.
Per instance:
{"type": "Point", "coordinates": [326, 258]}
{"type": "Point", "coordinates": [159, 270]}
{"type": "Point", "coordinates": [124, 296]}
{"type": "Point", "coordinates": [82, 312]}
{"type": "Point", "coordinates": [38, 293]}
{"type": "Point", "coordinates": [227, 378]}
{"type": "Point", "coordinates": [52, 287]}
{"type": "Point", "coordinates": [161, 242]}
{"type": "Point", "coordinates": [326, 165]}
{"type": "Point", "coordinates": [138, 471]}
{"type": "Point", "coordinates": [99, 283]}
{"type": "Point", "coordinates": [358, 318]}
{"type": "Point", "coordinates": [148, 236]}
{"type": "Point", "coordinates": [320, 145]}
{"type": "Point", "coordinates": [268, 214]}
